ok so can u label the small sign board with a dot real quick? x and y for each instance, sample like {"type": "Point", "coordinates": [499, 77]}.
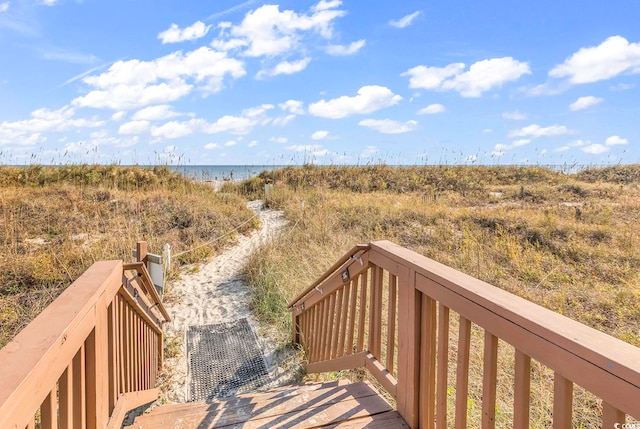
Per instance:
{"type": "Point", "coordinates": [156, 271]}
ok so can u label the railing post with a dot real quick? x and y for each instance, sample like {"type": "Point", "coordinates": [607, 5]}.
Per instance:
{"type": "Point", "coordinates": [409, 310]}
{"type": "Point", "coordinates": [141, 251]}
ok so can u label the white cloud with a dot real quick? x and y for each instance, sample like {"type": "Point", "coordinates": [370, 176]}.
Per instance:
{"type": "Point", "coordinates": [210, 146]}
{"type": "Point", "coordinates": [118, 116]}
{"type": "Point", "coordinates": [135, 83]}
{"type": "Point", "coordinates": [174, 129]}
{"type": "Point", "coordinates": [267, 31]}
{"type": "Point", "coordinates": [96, 140]}
{"type": "Point", "coordinates": [315, 150]}
{"type": "Point", "coordinates": [283, 120]}
{"type": "Point", "coordinates": [232, 124]}
{"type": "Point", "coordinates": [369, 151]}
{"type": "Point", "coordinates": [238, 125]}
{"type": "Point", "coordinates": [487, 131]}
{"type": "Point", "coordinates": [48, 2]}
{"type": "Point", "coordinates": [405, 21]}
{"type": "Point", "coordinates": [253, 143]}
{"type": "Point", "coordinates": [124, 97]}
{"type": "Point", "coordinates": [622, 87]}
{"type": "Point", "coordinates": [44, 120]}
{"type": "Point", "coordinates": [595, 149]}
{"type": "Point", "coordinates": [369, 99]}
{"type": "Point", "coordinates": [342, 50]}
{"type": "Point", "coordinates": [319, 135]}
{"type": "Point", "coordinates": [584, 103]}
{"type": "Point", "coordinates": [482, 76]}
{"type": "Point", "coordinates": [616, 140]}
{"type": "Point", "coordinates": [514, 116]}
{"type": "Point", "coordinates": [609, 59]}
{"type": "Point", "coordinates": [174, 34]}
{"type": "Point", "coordinates": [547, 88]}
{"type": "Point", "coordinates": [155, 113]}
{"type": "Point", "coordinates": [432, 77]}
{"type": "Point", "coordinates": [285, 67]}
{"type": "Point", "coordinates": [432, 109]}
{"type": "Point", "coordinates": [501, 148]}
{"type": "Point", "coordinates": [230, 143]}
{"type": "Point", "coordinates": [535, 130]}
{"type": "Point", "coordinates": [4, 6]}
{"type": "Point", "coordinates": [133, 127]}
{"type": "Point", "coordinates": [258, 111]}
{"type": "Point", "coordinates": [326, 4]}
{"type": "Point", "coordinates": [577, 143]}
{"type": "Point", "coordinates": [520, 142]}
{"type": "Point", "coordinates": [280, 140]}
{"type": "Point", "coordinates": [293, 106]}
{"type": "Point", "coordinates": [388, 126]}
{"type": "Point", "coordinates": [20, 138]}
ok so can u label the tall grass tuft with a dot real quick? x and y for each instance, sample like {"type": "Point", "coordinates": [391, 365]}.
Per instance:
{"type": "Point", "coordinates": [56, 221]}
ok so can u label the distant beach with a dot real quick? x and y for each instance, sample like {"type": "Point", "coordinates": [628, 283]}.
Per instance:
{"type": "Point", "coordinates": [219, 173]}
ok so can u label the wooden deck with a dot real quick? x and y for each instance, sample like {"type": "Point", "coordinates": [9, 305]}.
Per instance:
{"type": "Point", "coordinates": [321, 405]}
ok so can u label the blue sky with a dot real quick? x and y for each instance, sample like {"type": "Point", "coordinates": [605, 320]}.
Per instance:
{"type": "Point", "coordinates": [329, 81]}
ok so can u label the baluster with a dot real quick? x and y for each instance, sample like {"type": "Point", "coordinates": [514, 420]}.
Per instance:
{"type": "Point", "coordinates": [343, 318]}
{"type": "Point", "coordinates": [521, 391]}
{"type": "Point", "coordinates": [391, 323]}
{"type": "Point", "coordinates": [363, 311]}
{"type": "Point", "coordinates": [338, 324]}
{"type": "Point", "coordinates": [443, 366]}
{"type": "Point", "coordinates": [352, 314]}
{"type": "Point", "coordinates": [462, 376]}
{"type": "Point", "coordinates": [65, 401]}
{"type": "Point", "coordinates": [428, 361]}
{"type": "Point", "coordinates": [562, 402]}
{"type": "Point", "coordinates": [489, 380]}
{"type": "Point", "coordinates": [611, 416]}
{"type": "Point", "coordinates": [48, 411]}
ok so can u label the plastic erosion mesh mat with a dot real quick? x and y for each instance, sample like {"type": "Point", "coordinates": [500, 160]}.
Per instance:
{"type": "Point", "coordinates": [224, 359]}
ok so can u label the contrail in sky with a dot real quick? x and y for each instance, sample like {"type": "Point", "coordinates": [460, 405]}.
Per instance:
{"type": "Point", "coordinates": [232, 9]}
{"type": "Point", "coordinates": [83, 74]}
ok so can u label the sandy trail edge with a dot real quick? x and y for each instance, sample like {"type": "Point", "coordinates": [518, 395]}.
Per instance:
{"type": "Point", "coordinates": [217, 294]}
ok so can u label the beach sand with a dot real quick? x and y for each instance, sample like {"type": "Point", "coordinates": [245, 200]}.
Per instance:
{"type": "Point", "coordinates": [215, 294]}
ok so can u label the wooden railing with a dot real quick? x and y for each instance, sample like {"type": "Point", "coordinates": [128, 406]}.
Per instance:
{"type": "Point", "coordinates": [89, 357]}
{"type": "Point", "coordinates": [391, 311]}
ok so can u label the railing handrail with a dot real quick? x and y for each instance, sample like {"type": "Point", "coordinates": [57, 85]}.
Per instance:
{"type": "Point", "coordinates": [335, 267]}
{"type": "Point", "coordinates": [424, 291]}
{"type": "Point", "coordinates": [32, 362]}
{"type": "Point", "coordinates": [609, 353]}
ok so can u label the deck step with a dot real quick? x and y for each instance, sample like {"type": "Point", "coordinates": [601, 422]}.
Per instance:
{"type": "Point", "coordinates": [330, 405]}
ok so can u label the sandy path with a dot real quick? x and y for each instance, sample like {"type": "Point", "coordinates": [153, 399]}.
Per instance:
{"type": "Point", "coordinates": [217, 294]}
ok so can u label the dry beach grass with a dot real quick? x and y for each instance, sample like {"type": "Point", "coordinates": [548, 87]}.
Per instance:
{"type": "Point", "coordinates": [566, 242]}
{"type": "Point", "coordinates": [56, 221]}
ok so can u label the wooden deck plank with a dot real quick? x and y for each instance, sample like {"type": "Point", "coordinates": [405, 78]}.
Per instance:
{"type": "Point", "coordinates": [389, 419]}
{"type": "Point", "coordinates": [251, 398]}
{"type": "Point", "coordinates": [290, 409]}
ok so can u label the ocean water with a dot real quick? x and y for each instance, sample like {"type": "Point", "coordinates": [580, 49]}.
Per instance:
{"type": "Point", "coordinates": [222, 172]}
